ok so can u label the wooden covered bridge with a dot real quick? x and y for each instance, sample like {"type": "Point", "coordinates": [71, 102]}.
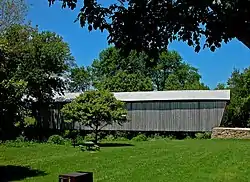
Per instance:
{"type": "Point", "coordinates": [187, 110]}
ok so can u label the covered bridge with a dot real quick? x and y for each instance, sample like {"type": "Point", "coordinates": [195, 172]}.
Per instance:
{"type": "Point", "coordinates": [187, 110]}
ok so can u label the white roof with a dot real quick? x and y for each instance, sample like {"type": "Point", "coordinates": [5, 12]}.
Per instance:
{"type": "Point", "coordinates": [162, 95]}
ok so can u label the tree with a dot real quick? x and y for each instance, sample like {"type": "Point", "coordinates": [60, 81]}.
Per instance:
{"type": "Point", "coordinates": [159, 22]}
{"type": "Point", "coordinates": [30, 68]}
{"type": "Point", "coordinates": [116, 73]}
{"type": "Point", "coordinates": [171, 73]}
{"type": "Point", "coordinates": [221, 86]}
{"type": "Point", "coordinates": [123, 82]}
{"type": "Point", "coordinates": [12, 12]}
{"type": "Point", "coordinates": [238, 111]}
{"type": "Point", "coordinates": [95, 109]}
{"type": "Point", "coordinates": [79, 79]}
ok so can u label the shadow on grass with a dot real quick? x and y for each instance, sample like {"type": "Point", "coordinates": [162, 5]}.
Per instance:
{"type": "Point", "coordinates": [15, 173]}
{"type": "Point", "coordinates": [115, 145]}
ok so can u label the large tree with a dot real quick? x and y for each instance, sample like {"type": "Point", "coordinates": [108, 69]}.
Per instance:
{"type": "Point", "coordinates": [32, 63]}
{"type": "Point", "coordinates": [12, 12]}
{"type": "Point", "coordinates": [95, 109]}
{"type": "Point", "coordinates": [149, 25]}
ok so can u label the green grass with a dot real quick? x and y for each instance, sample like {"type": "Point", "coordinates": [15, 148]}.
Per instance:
{"type": "Point", "coordinates": [159, 161]}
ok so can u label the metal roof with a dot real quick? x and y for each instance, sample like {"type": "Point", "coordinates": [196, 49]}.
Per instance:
{"type": "Point", "coordinates": [161, 95]}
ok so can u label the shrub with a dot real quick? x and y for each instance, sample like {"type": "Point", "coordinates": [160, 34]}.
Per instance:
{"type": "Point", "coordinates": [109, 138]}
{"type": "Point", "coordinates": [121, 139]}
{"type": "Point", "coordinates": [66, 134]}
{"type": "Point", "coordinates": [205, 135]}
{"type": "Point", "coordinates": [20, 139]}
{"type": "Point", "coordinates": [170, 137]}
{"type": "Point", "coordinates": [79, 140]}
{"type": "Point", "coordinates": [67, 141]}
{"type": "Point", "coordinates": [140, 137]}
{"type": "Point", "coordinates": [188, 137]}
{"type": "Point", "coordinates": [89, 137]}
{"type": "Point", "coordinates": [70, 134]}
{"type": "Point", "coordinates": [56, 139]}
{"type": "Point", "coordinates": [156, 137]}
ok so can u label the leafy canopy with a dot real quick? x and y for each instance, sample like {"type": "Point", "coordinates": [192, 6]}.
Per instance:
{"type": "Point", "coordinates": [150, 25]}
{"type": "Point", "coordinates": [79, 79]}
{"type": "Point", "coordinates": [31, 65]}
{"type": "Point", "coordinates": [117, 73]}
{"type": "Point", "coordinates": [238, 111]}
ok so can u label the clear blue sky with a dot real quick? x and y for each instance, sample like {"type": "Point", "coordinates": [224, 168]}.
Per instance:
{"type": "Point", "coordinates": [85, 46]}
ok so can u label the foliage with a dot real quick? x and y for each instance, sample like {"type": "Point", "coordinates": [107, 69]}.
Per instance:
{"type": "Point", "coordinates": [121, 139]}
{"type": "Point", "coordinates": [21, 139]}
{"type": "Point", "coordinates": [56, 139]}
{"type": "Point", "coordinates": [79, 79]}
{"type": "Point", "coordinates": [204, 135]}
{"type": "Point", "coordinates": [95, 109]}
{"type": "Point", "coordinates": [12, 12]}
{"type": "Point", "coordinates": [116, 73]}
{"type": "Point", "coordinates": [140, 138]}
{"type": "Point", "coordinates": [157, 23]}
{"type": "Point", "coordinates": [79, 139]}
{"type": "Point", "coordinates": [237, 112]}
{"type": "Point", "coordinates": [31, 65]}
{"type": "Point", "coordinates": [70, 134]}
{"type": "Point", "coordinates": [109, 138]}
{"type": "Point", "coordinates": [221, 86]}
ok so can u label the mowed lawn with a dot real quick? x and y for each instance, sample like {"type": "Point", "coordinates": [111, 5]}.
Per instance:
{"type": "Point", "coordinates": [159, 161]}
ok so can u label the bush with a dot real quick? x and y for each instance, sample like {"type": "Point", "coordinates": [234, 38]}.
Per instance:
{"type": "Point", "coordinates": [109, 138]}
{"type": "Point", "coordinates": [79, 140]}
{"type": "Point", "coordinates": [21, 139]}
{"type": "Point", "coordinates": [67, 141]}
{"type": "Point", "coordinates": [56, 139]}
{"type": "Point", "coordinates": [89, 137]}
{"type": "Point", "coordinates": [188, 137]}
{"type": "Point", "coordinates": [206, 135]}
{"type": "Point", "coordinates": [140, 137]}
{"type": "Point", "coordinates": [121, 139]}
{"type": "Point", "coordinates": [170, 137]}
{"type": "Point", "coordinates": [70, 134]}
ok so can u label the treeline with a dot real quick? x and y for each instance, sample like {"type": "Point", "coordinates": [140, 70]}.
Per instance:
{"type": "Point", "coordinates": [116, 73]}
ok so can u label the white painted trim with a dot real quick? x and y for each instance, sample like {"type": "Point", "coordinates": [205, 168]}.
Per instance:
{"type": "Point", "coordinates": [162, 95]}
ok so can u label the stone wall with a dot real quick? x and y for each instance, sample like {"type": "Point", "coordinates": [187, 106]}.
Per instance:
{"type": "Point", "coordinates": [219, 132]}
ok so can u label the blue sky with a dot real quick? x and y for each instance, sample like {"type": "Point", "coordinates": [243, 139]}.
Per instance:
{"type": "Point", "coordinates": [85, 46]}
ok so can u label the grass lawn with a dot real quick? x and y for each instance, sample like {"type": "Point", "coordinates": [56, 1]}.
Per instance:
{"type": "Point", "coordinates": [159, 161]}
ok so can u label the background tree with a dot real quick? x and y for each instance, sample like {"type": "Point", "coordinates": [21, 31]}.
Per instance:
{"type": "Point", "coordinates": [159, 22]}
{"type": "Point", "coordinates": [238, 111]}
{"type": "Point", "coordinates": [117, 73]}
{"type": "Point", "coordinates": [95, 109]}
{"type": "Point", "coordinates": [221, 86]}
{"type": "Point", "coordinates": [30, 68]}
{"type": "Point", "coordinates": [80, 79]}
{"type": "Point", "coordinates": [12, 12]}
{"type": "Point", "coordinates": [171, 73]}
